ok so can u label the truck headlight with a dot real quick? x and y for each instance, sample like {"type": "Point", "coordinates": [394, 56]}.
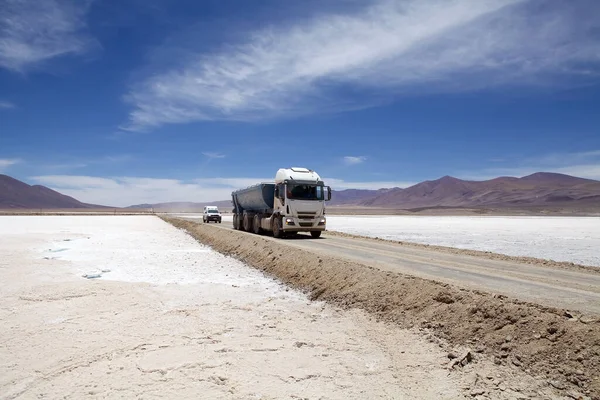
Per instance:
{"type": "Point", "coordinates": [322, 221]}
{"type": "Point", "coordinates": [289, 221]}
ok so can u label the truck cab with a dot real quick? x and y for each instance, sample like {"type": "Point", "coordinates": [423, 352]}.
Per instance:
{"type": "Point", "coordinates": [211, 213]}
{"type": "Point", "coordinates": [300, 197]}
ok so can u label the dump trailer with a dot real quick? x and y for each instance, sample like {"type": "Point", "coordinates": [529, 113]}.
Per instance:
{"type": "Point", "coordinates": [294, 203]}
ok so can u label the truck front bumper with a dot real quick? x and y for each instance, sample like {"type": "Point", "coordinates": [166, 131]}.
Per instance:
{"type": "Point", "coordinates": [303, 225]}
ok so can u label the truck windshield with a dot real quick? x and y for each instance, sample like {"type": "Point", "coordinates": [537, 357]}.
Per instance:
{"type": "Point", "coordinates": [305, 192]}
{"type": "Point", "coordinates": [213, 211]}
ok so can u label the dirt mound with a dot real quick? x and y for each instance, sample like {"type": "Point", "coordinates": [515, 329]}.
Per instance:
{"type": "Point", "coordinates": [561, 348]}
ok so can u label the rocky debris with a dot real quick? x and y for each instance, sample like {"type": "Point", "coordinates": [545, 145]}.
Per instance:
{"type": "Point", "coordinates": [558, 385]}
{"type": "Point", "coordinates": [576, 395]}
{"type": "Point", "coordinates": [462, 360]}
{"type": "Point", "coordinates": [444, 297]}
{"type": "Point", "coordinates": [302, 344]}
{"type": "Point", "coordinates": [477, 392]}
{"type": "Point", "coordinates": [587, 320]}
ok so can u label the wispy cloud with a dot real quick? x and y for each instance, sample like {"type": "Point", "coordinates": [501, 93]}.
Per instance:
{"type": "Point", "coordinates": [126, 191]}
{"type": "Point", "coordinates": [353, 160]}
{"type": "Point", "coordinates": [212, 156]}
{"type": "Point", "coordinates": [5, 163]}
{"type": "Point", "coordinates": [388, 48]}
{"type": "Point", "coordinates": [5, 105]}
{"type": "Point", "coordinates": [585, 164]}
{"type": "Point", "coordinates": [33, 31]}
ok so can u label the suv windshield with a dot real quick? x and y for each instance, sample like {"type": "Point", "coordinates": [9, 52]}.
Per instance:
{"type": "Point", "coordinates": [305, 192]}
{"type": "Point", "coordinates": [213, 211]}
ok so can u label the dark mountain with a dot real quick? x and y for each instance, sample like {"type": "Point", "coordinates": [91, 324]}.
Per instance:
{"type": "Point", "coordinates": [539, 189]}
{"type": "Point", "coordinates": [17, 194]}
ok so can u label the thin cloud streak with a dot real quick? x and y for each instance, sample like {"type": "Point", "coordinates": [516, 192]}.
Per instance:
{"type": "Point", "coordinates": [353, 160]}
{"type": "Point", "coordinates": [33, 31]}
{"type": "Point", "coordinates": [6, 105]}
{"type": "Point", "coordinates": [213, 156]}
{"type": "Point", "coordinates": [6, 163]}
{"type": "Point", "coordinates": [387, 49]}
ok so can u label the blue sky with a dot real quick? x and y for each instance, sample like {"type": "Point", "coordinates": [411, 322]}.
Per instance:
{"type": "Point", "coordinates": [124, 102]}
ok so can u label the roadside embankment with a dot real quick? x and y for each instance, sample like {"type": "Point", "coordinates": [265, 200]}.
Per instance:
{"type": "Point", "coordinates": [550, 343]}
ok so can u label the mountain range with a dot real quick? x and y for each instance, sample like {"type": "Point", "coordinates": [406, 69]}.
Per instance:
{"type": "Point", "coordinates": [541, 189]}
{"type": "Point", "coordinates": [15, 194]}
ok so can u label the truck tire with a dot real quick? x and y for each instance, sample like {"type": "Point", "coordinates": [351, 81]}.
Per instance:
{"type": "Point", "coordinates": [315, 234]}
{"type": "Point", "coordinates": [236, 222]}
{"type": "Point", "coordinates": [247, 223]}
{"type": "Point", "coordinates": [277, 231]}
{"type": "Point", "coordinates": [256, 225]}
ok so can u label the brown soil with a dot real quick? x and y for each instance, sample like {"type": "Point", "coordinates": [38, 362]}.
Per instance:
{"type": "Point", "coordinates": [546, 342]}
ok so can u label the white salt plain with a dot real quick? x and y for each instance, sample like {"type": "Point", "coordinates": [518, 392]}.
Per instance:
{"type": "Point", "coordinates": [171, 318]}
{"type": "Point", "coordinates": [572, 239]}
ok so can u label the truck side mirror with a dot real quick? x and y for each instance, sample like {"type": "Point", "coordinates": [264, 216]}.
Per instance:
{"type": "Point", "coordinates": [276, 191]}
{"type": "Point", "coordinates": [328, 194]}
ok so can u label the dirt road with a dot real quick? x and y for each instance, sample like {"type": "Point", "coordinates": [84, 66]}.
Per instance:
{"type": "Point", "coordinates": [577, 290]}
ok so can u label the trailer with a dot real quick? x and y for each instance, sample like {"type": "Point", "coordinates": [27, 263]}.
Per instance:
{"type": "Point", "coordinates": [294, 203]}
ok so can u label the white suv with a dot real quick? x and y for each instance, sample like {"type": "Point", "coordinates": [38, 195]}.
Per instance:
{"type": "Point", "coordinates": [211, 214]}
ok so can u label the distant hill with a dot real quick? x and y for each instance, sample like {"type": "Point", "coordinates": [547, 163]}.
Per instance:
{"type": "Point", "coordinates": [224, 205]}
{"type": "Point", "coordinates": [355, 196]}
{"type": "Point", "coordinates": [16, 194]}
{"type": "Point", "coordinates": [539, 189]}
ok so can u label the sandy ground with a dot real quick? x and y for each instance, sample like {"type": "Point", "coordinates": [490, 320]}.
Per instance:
{"type": "Point", "coordinates": [560, 349]}
{"type": "Point", "coordinates": [170, 318]}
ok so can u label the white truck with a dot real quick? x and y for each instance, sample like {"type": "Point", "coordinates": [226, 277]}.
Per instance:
{"type": "Point", "coordinates": [294, 203]}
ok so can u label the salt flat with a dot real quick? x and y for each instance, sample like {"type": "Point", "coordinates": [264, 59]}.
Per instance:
{"type": "Point", "coordinates": [170, 318]}
{"type": "Point", "coordinates": [572, 239]}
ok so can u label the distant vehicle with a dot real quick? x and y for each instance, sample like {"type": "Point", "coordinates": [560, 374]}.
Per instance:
{"type": "Point", "coordinates": [294, 203]}
{"type": "Point", "coordinates": [211, 213]}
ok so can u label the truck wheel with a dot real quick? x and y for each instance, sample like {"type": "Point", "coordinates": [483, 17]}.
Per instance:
{"type": "Point", "coordinates": [236, 222]}
{"type": "Point", "coordinates": [247, 223]}
{"type": "Point", "coordinates": [256, 225]}
{"type": "Point", "coordinates": [315, 234]}
{"type": "Point", "coordinates": [277, 232]}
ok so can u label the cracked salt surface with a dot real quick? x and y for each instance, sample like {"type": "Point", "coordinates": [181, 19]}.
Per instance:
{"type": "Point", "coordinates": [214, 327]}
{"type": "Point", "coordinates": [152, 252]}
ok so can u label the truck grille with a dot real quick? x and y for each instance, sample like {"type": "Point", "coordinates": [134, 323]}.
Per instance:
{"type": "Point", "coordinates": [305, 224]}
{"type": "Point", "coordinates": [306, 215]}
